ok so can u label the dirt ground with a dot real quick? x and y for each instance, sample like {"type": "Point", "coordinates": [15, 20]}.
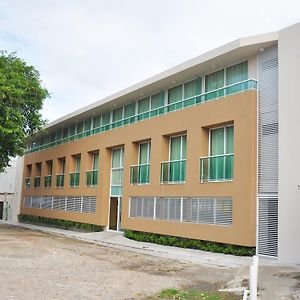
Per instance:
{"type": "Point", "coordinates": [35, 265]}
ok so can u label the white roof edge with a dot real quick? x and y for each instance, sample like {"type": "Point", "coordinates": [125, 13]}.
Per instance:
{"type": "Point", "coordinates": [239, 43]}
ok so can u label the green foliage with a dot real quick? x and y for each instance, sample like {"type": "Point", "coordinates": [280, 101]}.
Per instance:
{"type": "Point", "coordinates": [188, 295]}
{"type": "Point", "coordinates": [193, 294]}
{"type": "Point", "coordinates": [21, 99]}
{"type": "Point", "coordinates": [189, 243]}
{"type": "Point", "coordinates": [64, 224]}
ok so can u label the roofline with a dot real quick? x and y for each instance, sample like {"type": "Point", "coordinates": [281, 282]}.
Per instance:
{"type": "Point", "coordinates": [239, 43]}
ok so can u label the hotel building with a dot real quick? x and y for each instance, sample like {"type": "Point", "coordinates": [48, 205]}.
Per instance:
{"type": "Point", "coordinates": [205, 150]}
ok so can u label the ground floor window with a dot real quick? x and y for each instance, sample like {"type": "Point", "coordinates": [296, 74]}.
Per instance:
{"type": "Point", "coordinates": [199, 210]}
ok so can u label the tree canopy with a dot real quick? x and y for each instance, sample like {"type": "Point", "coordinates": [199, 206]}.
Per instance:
{"type": "Point", "coordinates": [21, 100]}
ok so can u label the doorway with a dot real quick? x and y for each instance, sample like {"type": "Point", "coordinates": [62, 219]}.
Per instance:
{"type": "Point", "coordinates": [115, 213]}
{"type": "Point", "coordinates": [1, 210]}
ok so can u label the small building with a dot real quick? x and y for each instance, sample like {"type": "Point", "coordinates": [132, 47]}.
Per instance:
{"type": "Point", "coordinates": [10, 190]}
{"type": "Point", "coordinates": [205, 150]}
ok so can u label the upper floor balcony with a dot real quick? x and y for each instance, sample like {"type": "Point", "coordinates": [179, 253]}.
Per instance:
{"type": "Point", "coordinates": [245, 85]}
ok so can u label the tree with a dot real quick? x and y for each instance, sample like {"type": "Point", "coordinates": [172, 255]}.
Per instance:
{"type": "Point", "coordinates": [21, 100]}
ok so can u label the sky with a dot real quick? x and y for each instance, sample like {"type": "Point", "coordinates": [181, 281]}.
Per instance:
{"type": "Point", "coordinates": [86, 50]}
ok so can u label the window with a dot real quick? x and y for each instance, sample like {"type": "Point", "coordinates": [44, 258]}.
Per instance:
{"type": "Point", "coordinates": [91, 177]}
{"type": "Point", "coordinates": [28, 171]}
{"type": "Point", "coordinates": [157, 103]}
{"type": "Point", "coordinates": [97, 122]}
{"type": "Point", "coordinates": [129, 111]}
{"type": "Point", "coordinates": [191, 89]}
{"type": "Point", "coordinates": [214, 81]}
{"type": "Point", "coordinates": [237, 73]}
{"type": "Point", "coordinates": [75, 176]}
{"type": "Point", "coordinates": [196, 210]}
{"type": "Point", "coordinates": [48, 177]}
{"type": "Point", "coordinates": [80, 129]}
{"type": "Point", "coordinates": [143, 106]}
{"type": "Point", "coordinates": [173, 171]}
{"type": "Point", "coordinates": [140, 173]}
{"type": "Point", "coordinates": [61, 176]}
{"type": "Point", "coordinates": [117, 116]}
{"type": "Point", "coordinates": [37, 178]}
{"type": "Point", "coordinates": [218, 166]}
{"type": "Point", "coordinates": [66, 132]}
{"type": "Point", "coordinates": [87, 127]}
{"type": "Point", "coordinates": [117, 172]}
{"type": "Point", "coordinates": [105, 120]}
{"type": "Point", "coordinates": [175, 95]}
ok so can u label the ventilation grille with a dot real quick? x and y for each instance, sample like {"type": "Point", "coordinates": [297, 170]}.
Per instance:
{"type": "Point", "coordinates": [80, 204]}
{"type": "Point", "coordinates": [269, 64]}
{"type": "Point", "coordinates": [268, 226]}
{"type": "Point", "coordinates": [270, 129]}
{"type": "Point", "coordinates": [267, 235]}
{"type": "Point", "coordinates": [215, 211]}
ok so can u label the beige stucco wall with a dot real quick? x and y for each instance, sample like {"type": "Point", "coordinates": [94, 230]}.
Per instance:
{"type": "Point", "coordinates": [239, 109]}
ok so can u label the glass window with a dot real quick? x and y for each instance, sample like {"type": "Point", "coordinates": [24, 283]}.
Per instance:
{"type": "Point", "coordinates": [95, 160]}
{"type": "Point", "coordinates": [192, 88]}
{"type": "Point", "coordinates": [144, 153]}
{"type": "Point", "coordinates": [118, 114]}
{"type": "Point", "coordinates": [221, 141]}
{"type": "Point", "coordinates": [106, 118]}
{"type": "Point", "coordinates": [39, 169]}
{"type": "Point", "coordinates": [237, 73]}
{"type": "Point", "coordinates": [117, 158]}
{"type": "Point", "coordinates": [221, 151]}
{"type": "Point", "coordinates": [217, 141]}
{"type": "Point", "coordinates": [214, 81]}
{"type": "Point", "coordinates": [87, 124]}
{"type": "Point", "coordinates": [97, 122]}
{"type": "Point", "coordinates": [80, 127]}
{"type": "Point", "coordinates": [63, 165]}
{"type": "Point", "coordinates": [157, 100]}
{"type": "Point", "coordinates": [66, 132]}
{"type": "Point", "coordinates": [77, 163]}
{"type": "Point", "coordinates": [144, 105]}
{"type": "Point", "coordinates": [175, 94]}
{"type": "Point", "coordinates": [178, 148]}
{"type": "Point", "coordinates": [129, 110]}
{"type": "Point", "coordinates": [72, 130]}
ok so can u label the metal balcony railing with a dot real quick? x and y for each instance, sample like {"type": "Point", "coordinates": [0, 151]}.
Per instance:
{"type": "Point", "coordinates": [47, 181]}
{"type": "Point", "coordinates": [216, 168]}
{"type": "Point", "coordinates": [140, 174]}
{"type": "Point", "coordinates": [173, 171]}
{"type": "Point", "coordinates": [91, 178]}
{"type": "Point", "coordinates": [74, 179]}
{"type": "Point", "coordinates": [37, 182]}
{"type": "Point", "coordinates": [249, 84]}
{"type": "Point", "coordinates": [27, 183]}
{"type": "Point", "coordinates": [60, 178]}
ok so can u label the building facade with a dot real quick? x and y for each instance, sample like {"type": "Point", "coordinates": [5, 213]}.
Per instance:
{"type": "Point", "coordinates": [191, 152]}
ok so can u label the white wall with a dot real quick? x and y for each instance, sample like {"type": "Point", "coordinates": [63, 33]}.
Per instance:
{"type": "Point", "coordinates": [7, 179]}
{"type": "Point", "coordinates": [11, 183]}
{"type": "Point", "coordinates": [289, 145]}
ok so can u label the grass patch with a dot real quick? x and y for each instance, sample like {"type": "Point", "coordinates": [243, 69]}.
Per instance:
{"type": "Point", "coordinates": [189, 243]}
{"type": "Point", "coordinates": [193, 295]}
{"type": "Point", "coordinates": [59, 223]}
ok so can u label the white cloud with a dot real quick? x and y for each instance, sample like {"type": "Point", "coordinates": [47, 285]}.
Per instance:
{"type": "Point", "coordinates": [86, 50]}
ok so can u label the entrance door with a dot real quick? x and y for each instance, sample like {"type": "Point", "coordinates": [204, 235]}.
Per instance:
{"type": "Point", "coordinates": [1, 210]}
{"type": "Point", "coordinates": [115, 213]}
